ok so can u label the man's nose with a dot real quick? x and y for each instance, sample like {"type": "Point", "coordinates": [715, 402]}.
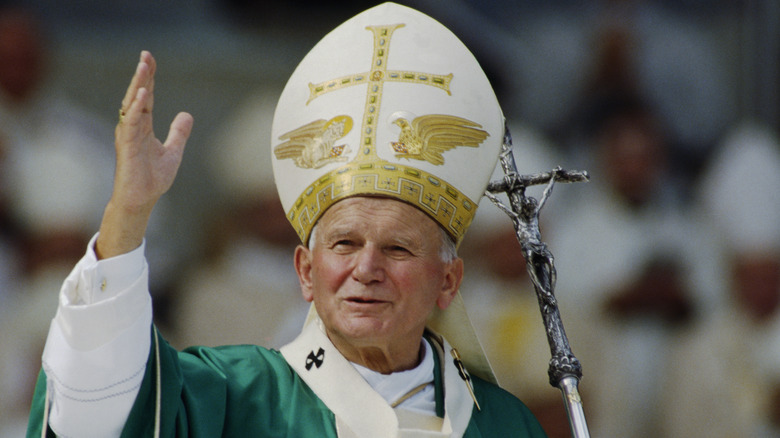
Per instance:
{"type": "Point", "coordinates": [369, 265]}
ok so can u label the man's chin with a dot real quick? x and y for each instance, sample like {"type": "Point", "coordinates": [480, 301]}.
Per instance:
{"type": "Point", "coordinates": [361, 330]}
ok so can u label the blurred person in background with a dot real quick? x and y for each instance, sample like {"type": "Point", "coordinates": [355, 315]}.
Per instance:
{"type": "Point", "coordinates": [633, 263]}
{"type": "Point", "coordinates": [632, 268]}
{"type": "Point", "coordinates": [726, 380]}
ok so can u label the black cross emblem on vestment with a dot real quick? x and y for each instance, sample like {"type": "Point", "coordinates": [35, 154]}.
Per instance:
{"type": "Point", "coordinates": [315, 359]}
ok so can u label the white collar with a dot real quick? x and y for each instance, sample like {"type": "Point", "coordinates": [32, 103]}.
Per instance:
{"type": "Point", "coordinates": [360, 411]}
{"type": "Point", "coordinates": [394, 386]}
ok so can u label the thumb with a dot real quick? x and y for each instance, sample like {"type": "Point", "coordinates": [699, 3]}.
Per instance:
{"type": "Point", "coordinates": [180, 130]}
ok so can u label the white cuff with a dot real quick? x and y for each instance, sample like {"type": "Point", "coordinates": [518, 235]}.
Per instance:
{"type": "Point", "coordinates": [98, 344]}
{"type": "Point", "coordinates": [101, 299]}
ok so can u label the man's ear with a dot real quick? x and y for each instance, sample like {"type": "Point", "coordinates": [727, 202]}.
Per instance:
{"type": "Point", "coordinates": [303, 268]}
{"type": "Point", "coordinates": [453, 276]}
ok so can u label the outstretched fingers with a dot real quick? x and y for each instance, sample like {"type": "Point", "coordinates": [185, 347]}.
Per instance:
{"type": "Point", "coordinates": [143, 78]}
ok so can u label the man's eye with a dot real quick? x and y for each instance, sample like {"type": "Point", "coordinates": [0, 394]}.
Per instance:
{"type": "Point", "coordinates": [397, 249]}
{"type": "Point", "coordinates": [343, 243]}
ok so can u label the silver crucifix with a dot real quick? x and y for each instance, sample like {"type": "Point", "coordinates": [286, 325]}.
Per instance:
{"type": "Point", "coordinates": [565, 371]}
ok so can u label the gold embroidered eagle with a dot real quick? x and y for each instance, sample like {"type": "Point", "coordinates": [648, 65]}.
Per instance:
{"type": "Point", "coordinates": [427, 137]}
{"type": "Point", "coordinates": [313, 145]}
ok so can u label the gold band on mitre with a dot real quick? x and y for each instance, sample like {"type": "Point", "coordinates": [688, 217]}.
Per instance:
{"type": "Point", "coordinates": [450, 208]}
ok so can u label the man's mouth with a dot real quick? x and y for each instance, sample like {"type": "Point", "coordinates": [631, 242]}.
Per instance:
{"type": "Point", "coordinates": [362, 300]}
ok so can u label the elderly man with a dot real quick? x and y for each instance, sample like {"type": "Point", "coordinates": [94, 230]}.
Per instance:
{"type": "Point", "coordinates": [379, 265]}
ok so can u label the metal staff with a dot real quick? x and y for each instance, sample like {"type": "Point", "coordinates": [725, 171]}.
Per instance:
{"type": "Point", "coordinates": [565, 370]}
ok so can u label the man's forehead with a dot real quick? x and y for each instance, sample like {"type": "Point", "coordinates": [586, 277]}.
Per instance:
{"type": "Point", "coordinates": [380, 203]}
{"type": "Point", "coordinates": [342, 215]}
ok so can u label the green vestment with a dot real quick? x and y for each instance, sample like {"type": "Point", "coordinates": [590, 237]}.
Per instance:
{"type": "Point", "coordinates": [250, 391]}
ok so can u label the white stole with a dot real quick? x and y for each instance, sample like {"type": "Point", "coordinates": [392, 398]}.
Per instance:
{"type": "Point", "coordinates": [360, 411]}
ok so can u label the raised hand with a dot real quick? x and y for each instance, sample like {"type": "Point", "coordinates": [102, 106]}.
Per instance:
{"type": "Point", "coordinates": [145, 166]}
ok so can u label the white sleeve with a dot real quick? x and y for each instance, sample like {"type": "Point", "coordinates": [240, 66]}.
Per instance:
{"type": "Point", "coordinates": [98, 345]}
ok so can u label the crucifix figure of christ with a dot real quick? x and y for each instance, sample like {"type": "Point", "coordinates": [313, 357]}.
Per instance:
{"type": "Point", "coordinates": [375, 79]}
{"type": "Point", "coordinates": [565, 370]}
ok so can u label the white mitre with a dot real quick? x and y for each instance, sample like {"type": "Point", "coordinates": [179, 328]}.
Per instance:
{"type": "Point", "coordinates": [390, 103]}
{"type": "Point", "coordinates": [739, 189]}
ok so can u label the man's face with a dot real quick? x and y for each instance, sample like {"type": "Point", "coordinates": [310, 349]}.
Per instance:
{"type": "Point", "coordinates": [375, 272]}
